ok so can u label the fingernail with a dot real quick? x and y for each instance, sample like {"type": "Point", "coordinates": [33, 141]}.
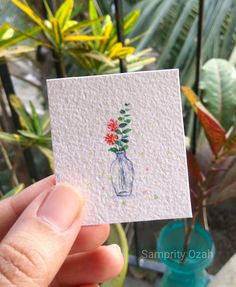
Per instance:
{"type": "Point", "coordinates": [61, 206]}
{"type": "Point", "coordinates": [115, 247]}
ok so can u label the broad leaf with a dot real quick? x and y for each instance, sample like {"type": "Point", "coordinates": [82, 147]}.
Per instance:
{"type": "Point", "coordinates": [215, 133]}
{"type": "Point", "coordinates": [219, 90]}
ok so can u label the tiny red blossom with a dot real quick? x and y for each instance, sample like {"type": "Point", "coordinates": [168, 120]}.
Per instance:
{"type": "Point", "coordinates": [112, 125]}
{"type": "Point", "coordinates": [111, 138]}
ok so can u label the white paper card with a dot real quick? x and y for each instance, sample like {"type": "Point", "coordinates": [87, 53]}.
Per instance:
{"type": "Point", "coordinates": [119, 139]}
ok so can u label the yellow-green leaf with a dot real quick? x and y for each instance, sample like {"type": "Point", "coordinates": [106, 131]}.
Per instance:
{"type": "Point", "coordinates": [13, 138]}
{"type": "Point", "coordinates": [80, 25]}
{"type": "Point", "coordinates": [49, 154]}
{"type": "Point", "coordinates": [78, 38]}
{"type": "Point", "coordinates": [191, 96]}
{"type": "Point", "coordinates": [97, 29]}
{"type": "Point", "coordinates": [48, 10]}
{"type": "Point", "coordinates": [63, 14]}
{"type": "Point", "coordinates": [24, 117]}
{"type": "Point", "coordinates": [28, 11]}
{"type": "Point", "coordinates": [130, 21]}
{"type": "Point", "coordinates": [57, 34]}
{"type": "Point", "coordinates": [107, 28]}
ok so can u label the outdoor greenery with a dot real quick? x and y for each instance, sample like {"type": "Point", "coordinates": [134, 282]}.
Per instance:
{"type": "Point", "coordinates": [80, 38]}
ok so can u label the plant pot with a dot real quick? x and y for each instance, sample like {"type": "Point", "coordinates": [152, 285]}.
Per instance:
{"type": "Point", "coordinates": [200, 254]}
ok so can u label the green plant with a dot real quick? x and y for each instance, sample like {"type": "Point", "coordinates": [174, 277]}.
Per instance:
{"type": "Point", "coordinates": [172, 31]}
{"type": "Point", "coordinates": [212, 169]}
{"type": "Point", "coordinates": [92, 43]}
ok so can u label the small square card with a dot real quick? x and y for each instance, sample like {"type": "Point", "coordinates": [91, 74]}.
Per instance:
{"type": "Point", "coordinates": [120, 140]}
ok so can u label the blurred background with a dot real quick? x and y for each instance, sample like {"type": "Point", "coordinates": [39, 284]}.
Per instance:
{"type": "Point", "coordinates": [55, 38]}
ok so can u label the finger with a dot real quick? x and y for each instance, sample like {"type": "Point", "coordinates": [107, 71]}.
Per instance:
{"type": "Point", "coordinates": [90, 267]}
{"type": "Point", "coordinates": [38, 243]}
{"type": "Point", "coordinates": [12, 207]}
{"type": "Point", "coordinates": [90, 237]}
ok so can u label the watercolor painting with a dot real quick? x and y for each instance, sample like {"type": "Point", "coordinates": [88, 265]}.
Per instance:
{"type": "Point", "coordinates": [117, 137]}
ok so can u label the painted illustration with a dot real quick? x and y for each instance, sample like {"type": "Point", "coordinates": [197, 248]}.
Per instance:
{"type": "Point", "coordinates": [117, 137]}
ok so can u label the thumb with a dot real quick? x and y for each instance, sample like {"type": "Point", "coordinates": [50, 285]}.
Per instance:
{"type": "Point", "coordinates": [37, 244]}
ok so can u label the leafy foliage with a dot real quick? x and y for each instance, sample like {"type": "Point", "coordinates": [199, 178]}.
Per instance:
{"type": "Point", "coordinates": [219, 89]}
{"type": "Point", "coordinates": [92, 43]}
{"type": "Point", "coordinates": [172, 32]}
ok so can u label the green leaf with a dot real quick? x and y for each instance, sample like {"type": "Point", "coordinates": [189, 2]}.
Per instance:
{"type": "Point", "coordinates": [14, 191]}
{"type": "Point", "coordinates": [48, 10]}
{"type": "Point", "coordinates": [24, 117]}
{"type": "Point", "coordinates": [119, 132]}
{"type": "Point", "coordinates": [36, 120]}
{"type": "Point", "coordinates": [23, 6]}
{"type": "Point", "coordinates": [125, 147]}
{"type": "Point", "coordinates": [118, 143]}
{"type": "Point", "coordinates": [45, 124]}
{"type": "Point", "coordinates": [130, 20]}
{"type": "Point", "coordinates": [49, 155]}
{"type": "Point", "coordinates": [63, 14]}
{"type": "Point", "coordinates": [124, 140]}
{"type": "Point", "coordinates": [122, 125]}
{"type": "Point", "coordinates": [122, 111]}
{"type": "Point", "coordinates": [127, 121]}
{"type": "Point", "coordinates": [113, 149]}
{"type": "Point", "coordinates": [93, 15]}
{"type": "Point", "coordinates": [120, 119]}
{"type": "Point", "coordinates": [219, 90]}
{"type": "Point", "coordinates": [14, 138]}
{"type": "Point", "coordinates": [126, 131]}
{"type": "Point", "coordinates": [18, 36]}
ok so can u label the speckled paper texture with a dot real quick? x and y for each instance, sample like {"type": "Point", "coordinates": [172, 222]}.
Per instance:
{"type": "Point", "coordinates": [147, 178]}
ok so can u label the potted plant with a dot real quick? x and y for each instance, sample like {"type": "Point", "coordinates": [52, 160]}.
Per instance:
{"type": "Point", "coordinates": [187, 248]}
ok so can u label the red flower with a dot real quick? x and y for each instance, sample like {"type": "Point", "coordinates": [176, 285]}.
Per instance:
{"type": "Point", "coordinates": [110, 138]}
{"type": "Point", "coordinates": [112, 125]}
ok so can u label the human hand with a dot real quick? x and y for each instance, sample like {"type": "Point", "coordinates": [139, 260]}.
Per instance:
{"type": "Point", "coordinates": [43, 243]}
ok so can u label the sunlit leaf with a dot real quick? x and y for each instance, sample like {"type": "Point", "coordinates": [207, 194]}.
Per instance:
{"type": "Point", "coordinates": [80, 25]}
{"type": "Point", "coordinates": [14, 138]}
{"type": "Point", "coordinates": [63, 14]}
{"type": "Point", "coordinates": [97, 30]}
{"type": "Point", "coordinates": [191, 96]}
{"type": "Point", "coordinates": [130, 20]}
{"type": "Point", "coordinates": [215, 133]}
{"type": "Point", "coordinates": [78, 38]}
{"type": "Point", "coordinates": [24, 117]}
{"type": "Point", "coordinates": [23, 6]}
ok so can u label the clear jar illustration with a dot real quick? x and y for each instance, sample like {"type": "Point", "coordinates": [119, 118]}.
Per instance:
{"type": "Point", "coordinates": [117, 137]}
{"type": "Point", "coordinates": [122, 174]}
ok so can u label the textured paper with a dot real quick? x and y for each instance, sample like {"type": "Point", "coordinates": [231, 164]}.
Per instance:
{"type": "Point", "coordinates": [80, 109]}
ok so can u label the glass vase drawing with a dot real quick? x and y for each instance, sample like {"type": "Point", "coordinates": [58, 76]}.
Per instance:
{"type": "Point", "coordinates": [122, 174]}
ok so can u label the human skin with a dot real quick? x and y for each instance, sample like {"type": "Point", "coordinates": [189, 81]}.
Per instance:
{"type": "Point", "coordinates": [44, 244]}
